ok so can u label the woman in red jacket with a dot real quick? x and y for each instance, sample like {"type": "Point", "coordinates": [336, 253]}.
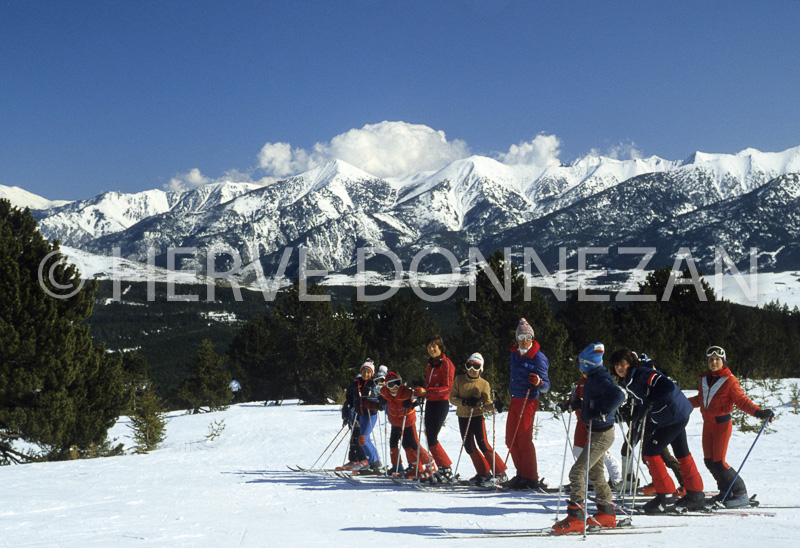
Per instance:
{"type": "Point", "coordinates": [439, 373]}
{"type": "Point", "coordinates": [719, 392]}
{"type": "Point", "coordinates": [400, 410]}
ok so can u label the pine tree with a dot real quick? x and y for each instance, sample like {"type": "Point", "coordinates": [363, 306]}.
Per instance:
{"type": "Point", "coordinates": [58, 391]}
{"type": "Point", "coordinates": [208, 387]}
{"type": "Point", "coordinates": [487, 325]}
{"type": "Point", "coordinates": [250, 355]}
{"type": "Point", "coordinates": [318, 348]}
{"type": "Point", "coordinates": [148, 419]}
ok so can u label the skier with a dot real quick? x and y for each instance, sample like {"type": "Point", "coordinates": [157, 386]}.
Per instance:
{"type": "Point", "coordinates": [472, 397]}
{"type": "Point", "coordinates": [601, 398]}
{"type": "Point", "coordinates": [529, 367]}
{"type": "Point", "coordinates": [367, 403]}
{"type": "Point", "coordinates": [719, 391]}
{"type": "Point", "coordinates": [667, 411]}
{"type": "Point", "coordinates": [626, 413]}
{"type": "Point", "coordinates": [357, 458]}
{"type": "Point", "coordinates": [574, 403]}
{"type": "Point", "coordinates": [400, 410]}
{"type": "Point", "coordinates": [439, 373]}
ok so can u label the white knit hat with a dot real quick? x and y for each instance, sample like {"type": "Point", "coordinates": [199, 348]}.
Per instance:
{"type": "Point", "coordinates": [476, 358]}
{"type": "Point", "coordinates": [369, 365]}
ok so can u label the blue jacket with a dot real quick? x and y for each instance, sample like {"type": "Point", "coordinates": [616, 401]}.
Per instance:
{"type": "Point", "coordinates": [653, 389]}
{"type": "Point", "coordinates": [601, 398]}
{"type": "Point", "coordinates": [522, 366]}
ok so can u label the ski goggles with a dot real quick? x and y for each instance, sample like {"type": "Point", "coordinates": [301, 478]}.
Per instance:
{"type": "Point", "coordinates": [473, 366]}
{"type": "Point", "coordinates": [524, 337]}
{"type": "Point", "coordinates": [715, 351]}
{"type": "Point", "coordinates": [394, 383]}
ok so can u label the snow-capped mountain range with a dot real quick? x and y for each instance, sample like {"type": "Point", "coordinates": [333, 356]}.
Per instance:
{"type": "Point", "coordinates": [735, 201]}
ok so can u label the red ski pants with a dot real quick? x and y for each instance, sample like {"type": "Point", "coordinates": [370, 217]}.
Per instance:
{"type": "Point", "coordinates": [520, 445]}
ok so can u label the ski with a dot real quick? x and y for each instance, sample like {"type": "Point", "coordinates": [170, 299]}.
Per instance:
{"type": "Point", "coordinates": [548, 532]}
{"type": "Point", "coordinates": [678, 512]}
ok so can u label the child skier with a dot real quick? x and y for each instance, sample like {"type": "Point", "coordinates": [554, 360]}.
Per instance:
{"type": "Point", "coordinates": [366, 407]}
{"type": "Point", "coordinates": [356, 457]}
{"type": "Point", "coordinates": [719, 391]}
{"type": "Point", "coordinates": [403, 418]}
{"type": "Point", "coordinates": [601, 398]}
{"type": "Point", "coordinates": [574, 403]}
{"type": "Point", "coordinates": [472, 397]}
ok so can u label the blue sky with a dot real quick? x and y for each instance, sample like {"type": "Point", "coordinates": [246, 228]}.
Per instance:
{"type": "Point", "coordinates": [123, 95]}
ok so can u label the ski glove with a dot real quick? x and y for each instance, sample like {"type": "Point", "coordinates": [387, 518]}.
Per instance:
{"type": "Point", "coordinates": [534, 379]}
{"type": "Point", "coordinates": [471, 402]}
{"type": "Point", "coordinates": [563, 406]}
{"type": "Point", "coordinates": [419, 391]}
{"type": "Point", "coordinates": [498, 406]}
{"type": "Point", "coordinates": [409, 403]}
{"type": "Point", "coordinates": [764, 414]}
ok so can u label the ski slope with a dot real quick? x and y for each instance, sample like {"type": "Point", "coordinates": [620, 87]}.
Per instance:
{"type": "Point", "coordinates": [236, 490]}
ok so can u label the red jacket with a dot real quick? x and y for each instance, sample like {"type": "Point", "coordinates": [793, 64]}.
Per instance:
{"type": "Point", "coordinates": [439, 374]}
{"type": "Point", "coordinates": [395, 409]}
{"type": "Point", "coordinates": [718, 399]}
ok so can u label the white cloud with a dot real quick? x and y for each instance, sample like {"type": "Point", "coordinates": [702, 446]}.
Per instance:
{"type": "Point", "coordinates": [620, 151]}
{"type": "Point", "coordinates": [542, 151]}
{"type": "Point", "coordinates": [194, 179]}
{"type": "Point", "coordinates": [625, 151]}
{"type": "Point", "coordinates": [387, 149]}
{"type": "Point", "coordinates": [187, 181]}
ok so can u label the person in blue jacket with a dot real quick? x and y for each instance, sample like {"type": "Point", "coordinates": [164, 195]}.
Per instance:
{"type": "Point", "coordinates": [662, 404]}
{"type": "Point", "coordinates": [601, 398]}
{"type": "Point", "coordinates": [529, 368]}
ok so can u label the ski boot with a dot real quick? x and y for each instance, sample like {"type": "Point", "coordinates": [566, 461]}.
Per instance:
{"type": "Point", "coordinates": [604, 517]}
{"type": "Point", "coordinates": [661, 504]}
{"type": "Point", "coordinates": [692, 500]}
{"type": "Point", "coordinates": [573, 523]}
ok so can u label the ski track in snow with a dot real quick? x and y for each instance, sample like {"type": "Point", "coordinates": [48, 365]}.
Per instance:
{"type": "Point", "coordinates": [236, 490]}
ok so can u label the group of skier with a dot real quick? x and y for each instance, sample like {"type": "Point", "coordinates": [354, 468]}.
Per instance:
{"type": "Point", "coordinates": [656, 411]}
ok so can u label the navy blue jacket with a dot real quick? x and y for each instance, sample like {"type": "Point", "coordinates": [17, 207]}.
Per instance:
{"type": "Point", "coordinates": [601, 398]}
{"type": "Point", "coordinates": [653, 389]}
{"type": "Point", "coordinates": [533, 361]}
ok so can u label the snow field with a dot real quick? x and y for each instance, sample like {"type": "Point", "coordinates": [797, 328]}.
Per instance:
{"type": "Point", "coordinates": [236, 490]}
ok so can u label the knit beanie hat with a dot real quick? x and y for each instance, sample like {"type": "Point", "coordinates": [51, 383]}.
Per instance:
{"type": "Point", "coordinates": [477, 359]}
{"type": "Point", "coordinates": [524, 328]}
{"type": "Point", "coordinates": [391, 375]}
{"type": "Point", "coordinates": [382, 371]}
{"type": "Point", "coordinates": [369, 365]}
{"type": "Point", "coordinates": [591, 358]}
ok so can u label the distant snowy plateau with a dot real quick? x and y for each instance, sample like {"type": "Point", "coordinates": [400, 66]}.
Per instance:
{"type": "Point", "coordinates": [740, 202]}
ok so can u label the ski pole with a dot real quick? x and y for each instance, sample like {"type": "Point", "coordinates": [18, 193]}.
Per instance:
{"type": "Point", "coordinates": [625, 469]}
{"type": "Point", "coordinates": [566, 429]}
{"type": "Point", "coordinates": [329, 445]}
{"type": "Point", "coordinates": [586, 483]}
{"type": "Point", "coordinates": [639, 460]}
{"type": "Point", "coordinates": [401, 441]}
{"type": "Point", "coordinates": [745, 457]}
{"type": "Point", "coordinates": [494, 456]}
{"type": "Point", "coordinates": [563, 462]}
{"type": "Point", "coordinates": [337, 447]}
{"type": "Point", "coordinates": [419, 437]}
{"type": "Point", "coordinates": [463, 441]}
{"type": "Point", "coordinates": [514, 437]}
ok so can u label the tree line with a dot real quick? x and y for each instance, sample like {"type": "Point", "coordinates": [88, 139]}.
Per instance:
{"type": "Point", "coordinates": [61, 391]}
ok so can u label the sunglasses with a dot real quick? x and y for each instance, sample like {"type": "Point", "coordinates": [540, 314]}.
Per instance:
{"type": "Point", "coordinates": [473, 366]}
{"type": "Point", "coordinates": [524, 337]}
{"type": "Point", "coordinates": [394, 383]}
{"type": "Point", "coordinates": [715, 351]}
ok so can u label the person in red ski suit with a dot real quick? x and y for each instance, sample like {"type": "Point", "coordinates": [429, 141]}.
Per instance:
{"type": "Point", "coordinates": [719, 391]}
{"type": "Point", "coordinates": [400, 410]}
{"type": "Point", "coordinates": [439, 373]}
{"type": "Point", "coordinates": [529, 368]}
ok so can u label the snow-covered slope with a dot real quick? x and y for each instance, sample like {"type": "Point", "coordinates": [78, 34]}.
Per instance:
{"type": "Point", "coordinates": [22, 198]}
{"type": "Point", "coordinates": [236, 491]}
